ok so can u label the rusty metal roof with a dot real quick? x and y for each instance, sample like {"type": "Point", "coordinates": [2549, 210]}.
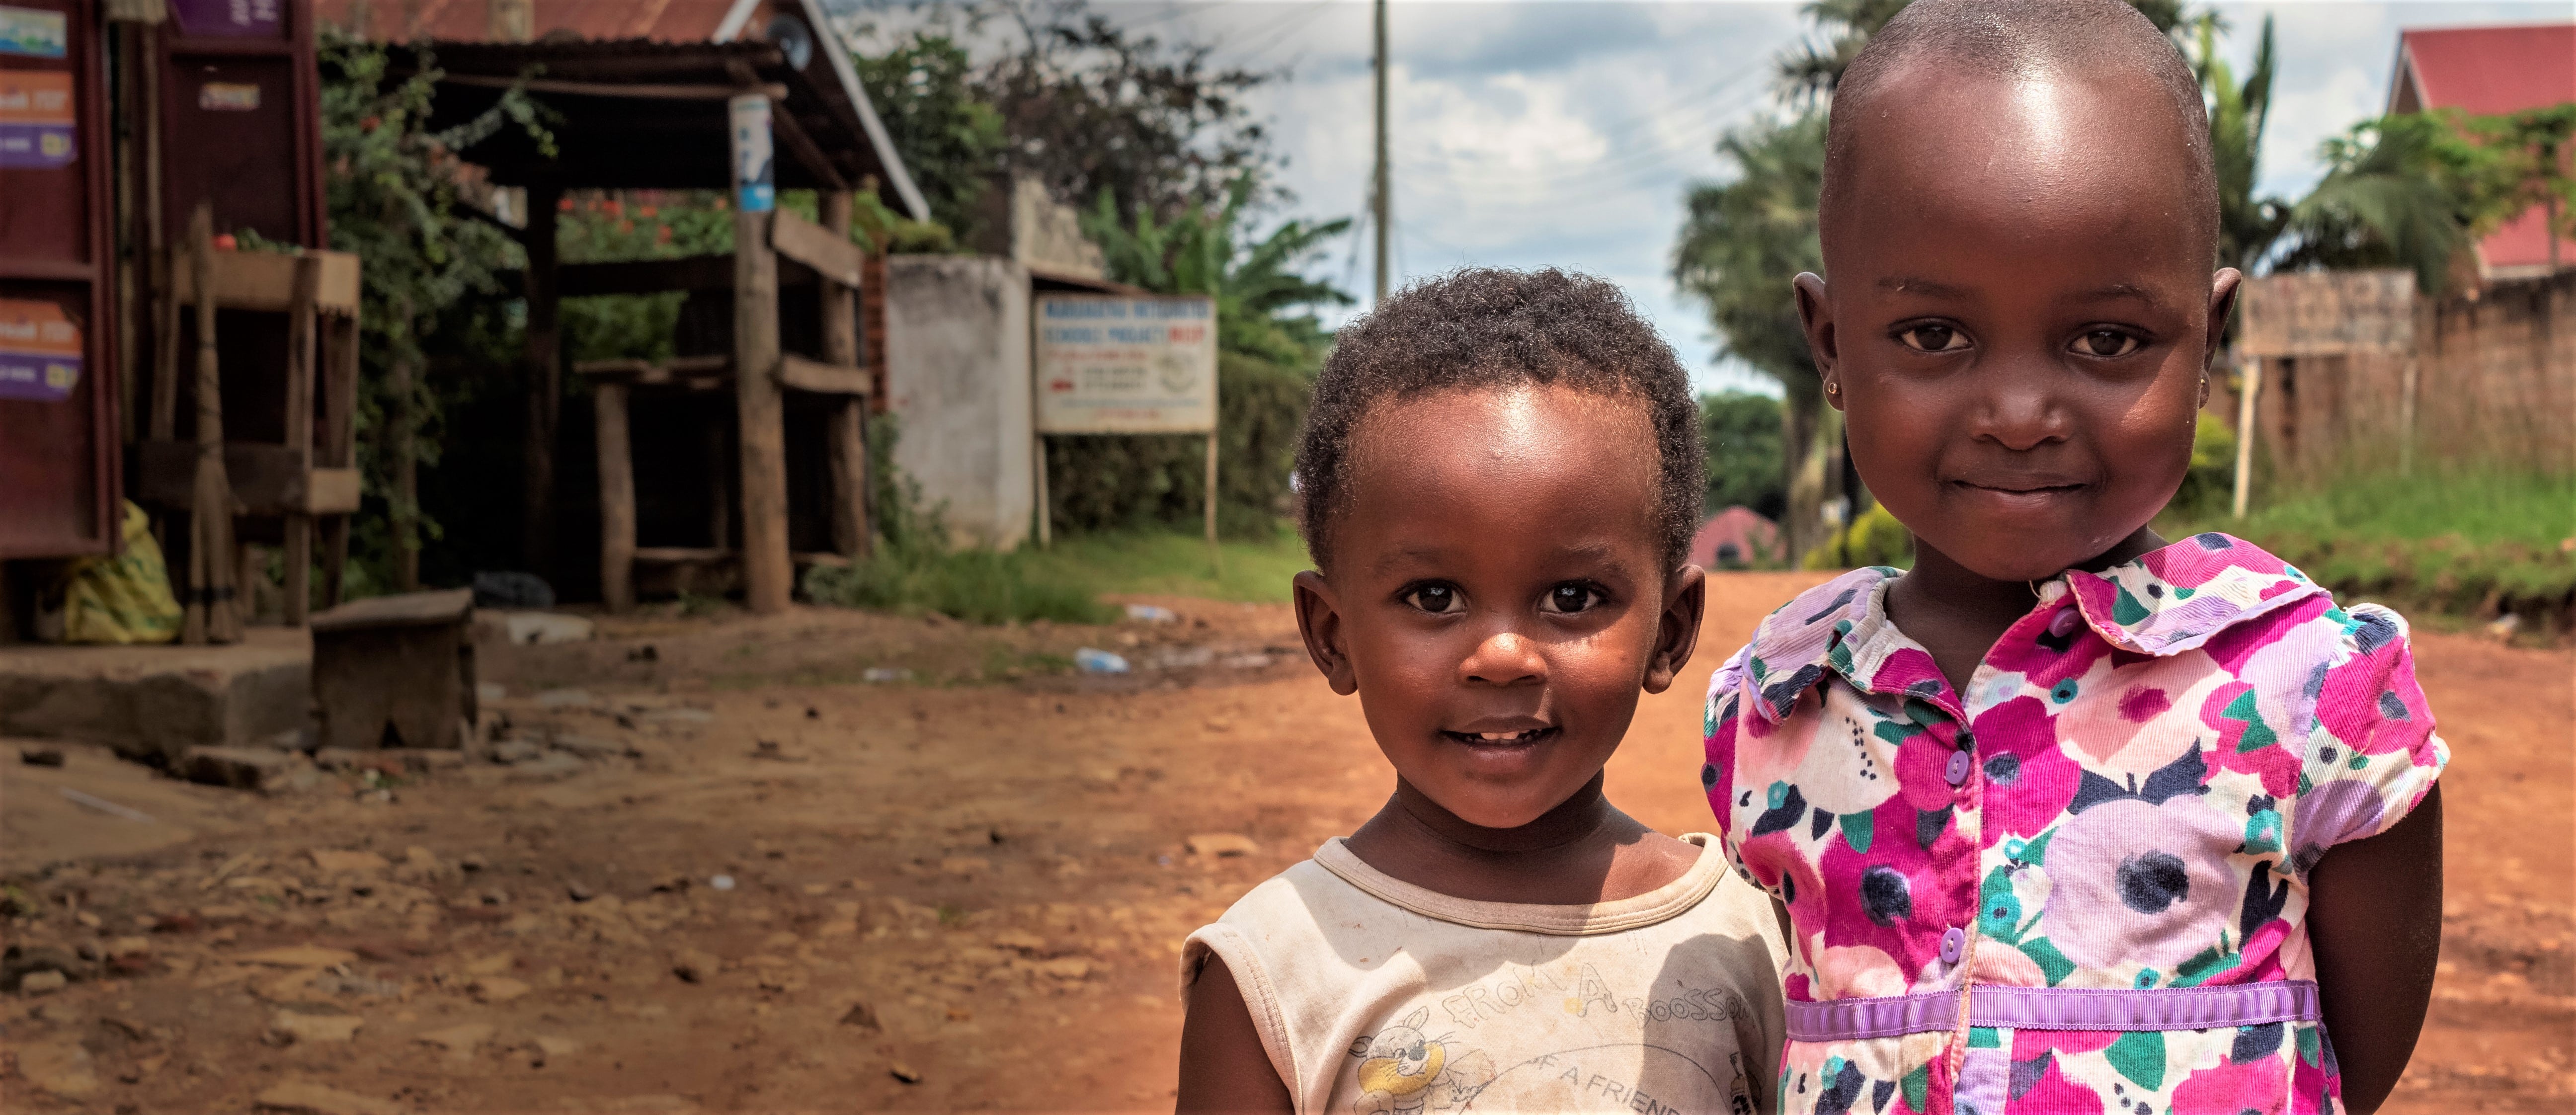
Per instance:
{"type": "Point", "coordinates": [581, 49]}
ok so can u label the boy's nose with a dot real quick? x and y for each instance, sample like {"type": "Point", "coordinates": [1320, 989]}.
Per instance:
{"type": "Point", "coordinates": [1506, 658]}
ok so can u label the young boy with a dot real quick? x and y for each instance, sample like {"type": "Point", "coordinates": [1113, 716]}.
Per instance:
{"type": "Point", "coordinates": [1500, 477]}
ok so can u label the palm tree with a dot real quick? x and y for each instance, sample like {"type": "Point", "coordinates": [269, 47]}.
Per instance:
{"type": "Point", "coordinates": [2399, 191]}
{"type": "Point", "coordinates": [2247, 226]}
{"type": "Point", "coordinates": [1741, 244]}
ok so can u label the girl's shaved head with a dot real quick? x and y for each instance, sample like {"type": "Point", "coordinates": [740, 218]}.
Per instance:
{"type": "Point", "coordinates": [2105, 43]}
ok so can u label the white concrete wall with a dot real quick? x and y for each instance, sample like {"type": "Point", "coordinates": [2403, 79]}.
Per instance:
{"type": "Point", "coordinates": [957, 378]}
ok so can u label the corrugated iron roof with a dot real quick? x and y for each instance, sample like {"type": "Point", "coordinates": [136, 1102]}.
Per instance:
{"type": "Point", "coordinates": [667, 21]}
{"type": "Point", "coordinates": [2486, 71]}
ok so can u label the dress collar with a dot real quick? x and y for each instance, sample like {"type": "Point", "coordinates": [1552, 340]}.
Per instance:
{"type": "Point", "coordinates": [2163, 602]}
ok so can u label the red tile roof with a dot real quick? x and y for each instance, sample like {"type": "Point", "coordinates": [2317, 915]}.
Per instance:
{"type": "Point", "coordinates": [2486, 71]}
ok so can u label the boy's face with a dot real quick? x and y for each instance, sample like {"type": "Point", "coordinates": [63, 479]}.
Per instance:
{"type": "Point", "coordinates": [1498, 594]}
{"type": "Point", "coordinates": [2020, 314]}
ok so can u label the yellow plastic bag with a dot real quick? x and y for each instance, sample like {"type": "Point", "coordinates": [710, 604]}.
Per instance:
{"type": "Point", "coordinates": [124, 598]}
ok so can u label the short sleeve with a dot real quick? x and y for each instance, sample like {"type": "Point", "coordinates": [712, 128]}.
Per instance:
{"type": "Point", "coordinates": [2374, 753]}
{"type": "Point", "coordinates": [1718, 735]}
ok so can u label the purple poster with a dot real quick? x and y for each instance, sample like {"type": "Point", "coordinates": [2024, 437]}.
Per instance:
{"type": "Point", "coordinates": [230, 19]}
{"type": "Point", "coordinates": [36, 121]}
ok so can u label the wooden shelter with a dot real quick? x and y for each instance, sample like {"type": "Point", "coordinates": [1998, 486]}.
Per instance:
{"type": "Point", "coordinates": [641, 113]}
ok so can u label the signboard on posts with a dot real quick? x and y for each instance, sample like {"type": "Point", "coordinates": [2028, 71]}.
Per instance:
{"type": "Point", "coordinates": [1126, 364]}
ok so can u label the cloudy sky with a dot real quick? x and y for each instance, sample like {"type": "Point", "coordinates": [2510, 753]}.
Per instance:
{"type": "Point", "coordinates": [1562, 133]}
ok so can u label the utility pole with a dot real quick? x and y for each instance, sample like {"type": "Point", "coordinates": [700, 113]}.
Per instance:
{"type": "Point", "coordinates": [1382, 188]}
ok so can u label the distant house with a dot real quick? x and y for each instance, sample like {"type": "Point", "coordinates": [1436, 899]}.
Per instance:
{"type": "Point", "coordinates": [2486, 71]}
{"type": "Point", "coordinates": [1736, 538]}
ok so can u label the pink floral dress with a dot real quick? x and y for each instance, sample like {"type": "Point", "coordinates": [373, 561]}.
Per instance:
{"type": "Point", "coordinates": [2081, 885]}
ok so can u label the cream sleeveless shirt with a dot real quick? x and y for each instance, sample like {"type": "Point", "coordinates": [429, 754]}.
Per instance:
{"type": "Point", "coordinates": [1375, 996]}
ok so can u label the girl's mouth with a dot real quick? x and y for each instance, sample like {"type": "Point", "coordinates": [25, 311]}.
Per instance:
{"type": "Point", "coordinates": [1523, 738]}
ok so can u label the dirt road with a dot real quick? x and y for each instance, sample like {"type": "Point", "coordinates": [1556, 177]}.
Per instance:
{"type": "Point", "coordinates": [731, 873]}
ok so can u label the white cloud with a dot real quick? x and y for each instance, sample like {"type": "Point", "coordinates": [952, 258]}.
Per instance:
{"type": "Point", "coordinates": [1564, 134]}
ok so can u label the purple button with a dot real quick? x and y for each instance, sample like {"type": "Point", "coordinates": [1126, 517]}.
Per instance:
{"type": "Point", "coordinates": [2065, 623]}
{"type": "Point", "coordinates": [1952, 944]}
{"type": "Point", "coordinates": [1957, 772]}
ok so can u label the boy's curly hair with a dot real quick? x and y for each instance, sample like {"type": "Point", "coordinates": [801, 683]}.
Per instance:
{"type": "Point", "coordinates": [1484, 327]}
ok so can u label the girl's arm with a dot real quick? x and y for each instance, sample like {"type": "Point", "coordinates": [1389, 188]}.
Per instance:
{"type": "Point", "coordinates": [1223, 1067]}
{"type": "Point", "coordinates": [2375, 921]}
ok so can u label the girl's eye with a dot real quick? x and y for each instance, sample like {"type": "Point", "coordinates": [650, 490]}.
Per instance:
{"type": "Point", "coordinates": [1931, 338]}
{"type": "Point", "coordinates": [1435, 599]}
{"type": "Point", "coordinates": [2107, 342]}
{"type": "Point", "coordinates": [1571, 597]}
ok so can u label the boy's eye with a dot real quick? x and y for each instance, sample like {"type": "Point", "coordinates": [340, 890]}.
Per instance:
{"type": "Point", "coordinates": [2106, 342]}
{"type": "Point", "coordinates": [1435, 599]}
{"type": "Point", "coordinates": [1570, 597]}
{"type": "Point", "coordinates": [1931, 338]}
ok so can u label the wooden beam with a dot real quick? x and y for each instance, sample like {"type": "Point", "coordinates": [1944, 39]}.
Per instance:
{"type": "Point", "coordinates": [847, 449]}
{"type": "Point", "coordinates": [266, 479]}
{"type": "Point", "coordinates": [645, 276]}
{"type": "Point", "coordinates": [820, 378]}
{"type": "Point", "coordinates": [651, 373]}
{"type": "Point", "coordinates": [337, 442]}
{"type": "Point", "coordinates": [829, 253]}
{"type": "Point", "coordinates": [616, 497]}
{"type": "Point", "coordinates": [806, 150]}
{"type": "Point", "coordinates": [624, 91]}
{"type": "Point", "coordinates": [768, 578]}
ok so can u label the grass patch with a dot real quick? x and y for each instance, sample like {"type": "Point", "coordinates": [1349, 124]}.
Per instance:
{"type": "Point", "coordinates": [1171, 563]}
{"type": "Point", "coordinates": [977, 586]}
{"type": "Point", "coordinates": [2461, 543]}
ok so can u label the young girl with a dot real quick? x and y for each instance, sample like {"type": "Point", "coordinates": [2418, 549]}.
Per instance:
{"type": "Point", "coordinates": [2068, 818]}
{"type": "Point", "coordinates": [1500, 476]}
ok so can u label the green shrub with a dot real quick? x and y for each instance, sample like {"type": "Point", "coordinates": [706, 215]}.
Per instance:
{"type": "Point", "coordinates": [1875, 538]}
{"type": "Point", "coordinates": [977, 586]}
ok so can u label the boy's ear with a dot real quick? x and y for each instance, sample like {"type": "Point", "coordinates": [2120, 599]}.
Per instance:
{"type": "Point", "coordinates": [1816, 316]}
{"type": "Point", "coordinates": [1319, 622]}
{"type": "Point", "coordinates": [1677, 631]}
{"type": "Point", "coordinates": [2223, 288]}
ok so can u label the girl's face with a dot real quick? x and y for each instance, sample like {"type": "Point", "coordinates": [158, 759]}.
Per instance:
{"type": "Point", "coordinates": [2020, 315]}
{"type": "Point", "coordinates": [1498, 594]}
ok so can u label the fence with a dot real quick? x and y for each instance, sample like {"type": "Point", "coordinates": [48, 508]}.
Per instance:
{"type": "Point", "coordinates": [2351, 369]}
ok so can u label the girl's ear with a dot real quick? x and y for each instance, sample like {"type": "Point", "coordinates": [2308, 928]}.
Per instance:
{"type": "Point", "coordinates": [2222, 304]}
{"type": "Point", "coordinates": [1319, 622]}
{"type": "Point", "coordinates": [1677, 630]}
{"type": "Point", "coordinates": [1816, 316]}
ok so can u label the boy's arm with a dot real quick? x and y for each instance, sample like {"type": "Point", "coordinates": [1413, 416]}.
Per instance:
{"type": "Point", "coordinates": [1223, 1067]}
{"type": "Point", "coordinates": [2375, 922]}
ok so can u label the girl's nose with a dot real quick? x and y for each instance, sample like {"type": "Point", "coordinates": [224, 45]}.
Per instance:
{"type": "Point", "coordinates": [2021, 410]}
{"type": "Point", "coordinates": [1505, 659]}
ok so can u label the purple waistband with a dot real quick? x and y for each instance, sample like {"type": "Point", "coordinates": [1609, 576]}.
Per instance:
{"type": "Point", "coordinates": [2057, 1008]}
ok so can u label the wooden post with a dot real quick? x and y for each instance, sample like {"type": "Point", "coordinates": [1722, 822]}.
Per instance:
{"type": "Point", "coordinates": [541, 362]}
{"type": "Point", "coordinates": [302, 364]}
{"type": "Point", "coordinates": [768, 573]}
{"type": "Point", "coordinates": [616, 497]}
{"type": "Point", "coordinates": [338, 441]}
{"type": "Point", "coordinates": [1046, 500]}
{"type": "Point", "coordinates": [1215, 557]}
{"type": "Point", "coordinates": [211, 615]}
{"type": "Point", "coordinates": [2252, 389]}
{"type": "Point", "coordinates": [405, 500]}
{"type": "Point", "coordinates": [2409, 377]}
{"type": "Point", "coordinates": [851, 531]}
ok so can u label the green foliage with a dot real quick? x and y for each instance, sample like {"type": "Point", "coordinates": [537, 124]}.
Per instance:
{"type": "Point", "coordinates": [1742, 432]}
{"type": "Point", "coordinates": [978, 586]}
{"type": "Point", "coordinates": [2247, 225]}
{"type": "Point", "coordinates": [1745, 239]}
{"type": "Point", "coordinates": [2210, 487]}
{"type": "Point", "coordinates": [1268, 351]}
{"type": "Point", "coordinates": [1875, 538]}
{"type": "Point", "coordinates": [2415, 190]}
{"type": "Point", "coordinates": [1201, 251]}
{"type": "Point", "coordinates": [393, 196]}
{"type": "Point", "coordinates": [598, 226]}
{"type": "Point", "coordinates": [2460, 542]}
{"type": "Point", "coordinates": [950, 137]}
